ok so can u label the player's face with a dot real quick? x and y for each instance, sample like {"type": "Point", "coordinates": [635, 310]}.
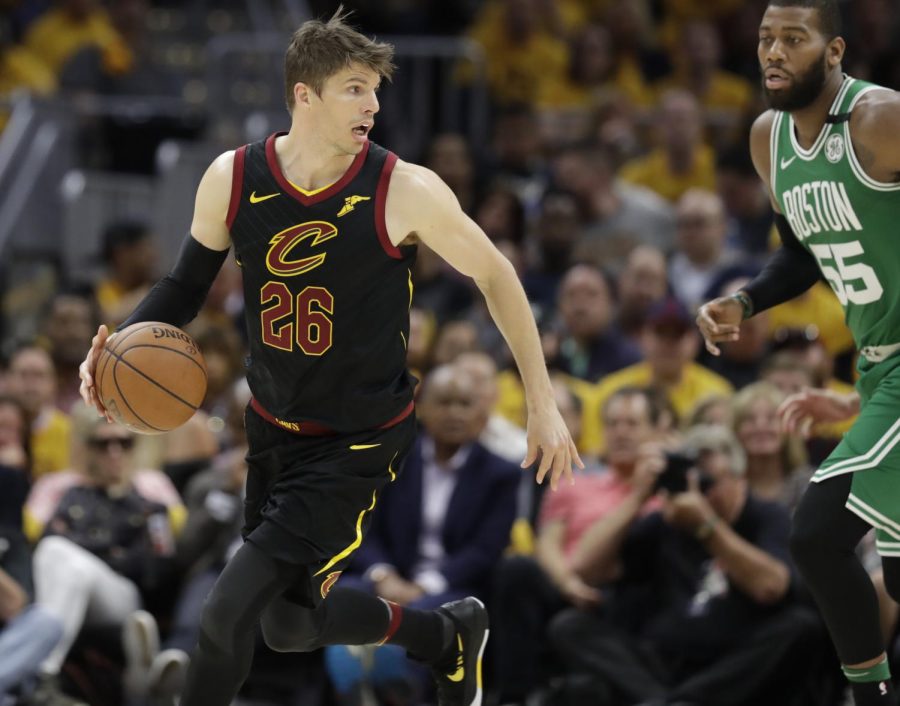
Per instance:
{"type": "Point", "coordinates": [346, 109]}
{"type": "Point", "coordinates": [793, 57]}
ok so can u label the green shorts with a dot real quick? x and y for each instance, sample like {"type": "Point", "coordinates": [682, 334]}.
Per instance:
{"type": "Point", "coordinates": [871, 450]}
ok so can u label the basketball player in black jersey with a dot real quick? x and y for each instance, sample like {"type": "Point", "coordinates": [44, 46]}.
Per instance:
{"type": "Point", "coordinates": [324, 224]}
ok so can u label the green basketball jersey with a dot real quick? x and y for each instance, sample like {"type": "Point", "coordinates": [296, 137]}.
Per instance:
{"type": "Point", "coordinates": [848, 221]}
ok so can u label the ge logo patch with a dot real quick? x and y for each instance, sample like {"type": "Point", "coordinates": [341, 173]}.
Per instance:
{"type": "Point", "coordinates": [834, 148]}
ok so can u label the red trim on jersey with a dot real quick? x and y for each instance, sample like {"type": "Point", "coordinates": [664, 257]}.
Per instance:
{"type": "Point", "coordinates": [396, 619]}
{"type": "Point", "coordinates": [291, 190]}
{"type": "Point", "coordinates": [380, 202]}
{"type": "Point", "coordinates": [237, 185]}
{"type": "Point", "coordinates": [314, 428]}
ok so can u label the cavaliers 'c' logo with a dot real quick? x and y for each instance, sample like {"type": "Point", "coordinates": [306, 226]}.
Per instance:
{"type": "Point", "coordinates": [329, 581]}
{"type": "Point", "coordinates": [278, 259]}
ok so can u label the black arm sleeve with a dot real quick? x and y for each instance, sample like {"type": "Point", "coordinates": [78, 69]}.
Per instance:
{"type": "Point", "coordinates": [788, 273]}
{"type": "Point", "coordinates": [178, 296]}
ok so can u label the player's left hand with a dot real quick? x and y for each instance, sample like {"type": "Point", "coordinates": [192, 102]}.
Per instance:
{"type": "Point", "coordinates": [549, 437]}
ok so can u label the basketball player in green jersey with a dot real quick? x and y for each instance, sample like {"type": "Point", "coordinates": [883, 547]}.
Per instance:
{"type": "Point", "coordinates": [829, 152]}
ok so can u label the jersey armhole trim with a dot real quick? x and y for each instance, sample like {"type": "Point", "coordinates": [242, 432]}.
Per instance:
{"type": "Point", "coordinates": [237, 185]}
{"type": "Point", "coordinates": [381, 192]}
{"type": "Point", "coordinates": [773, 152]}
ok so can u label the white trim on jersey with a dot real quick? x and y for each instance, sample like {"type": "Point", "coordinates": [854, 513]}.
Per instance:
{"type": "Point", "coordinates": [872, 516]}
{"type": "Point", "coordinates": [773, 149]}
{"type": "Point", "coordinates": [888, 440]}
{"type": "Point", "coordinates": [812, 152]}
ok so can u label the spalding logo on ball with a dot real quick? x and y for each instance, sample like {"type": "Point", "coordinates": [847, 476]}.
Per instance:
{"type": "Point", "coordinates": [151, 377]}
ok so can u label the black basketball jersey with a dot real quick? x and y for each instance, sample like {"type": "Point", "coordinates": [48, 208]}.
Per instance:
{"type": "Point", "coordinates": [327, 295]}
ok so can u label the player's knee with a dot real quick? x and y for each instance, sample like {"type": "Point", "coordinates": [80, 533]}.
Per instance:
{"type": "Point", "coordinates": [810, 543]}
{"type": "Point", "coordinates": [807, 547]}
{"type": "Point", "coordinates": [297, 632]}
{"type": "Point", "coordinates": [280, 639]}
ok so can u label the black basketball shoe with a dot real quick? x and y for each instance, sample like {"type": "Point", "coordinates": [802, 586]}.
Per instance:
{"type": "Point", "coordinates": [458, 674]}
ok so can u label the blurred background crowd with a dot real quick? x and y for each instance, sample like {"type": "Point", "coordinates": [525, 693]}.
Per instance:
{"type": "Point", "coordinates": [602, 145]}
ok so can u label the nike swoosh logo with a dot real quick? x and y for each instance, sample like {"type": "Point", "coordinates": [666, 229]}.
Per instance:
{"type": "Point", "coordinates": [460, 672]}
{"type": "Point", "coordinates": [363, 447]}
{"type": "Point", "coordinates": [785, 163]}
{"type": "Point", "coordinates": [256, 199]}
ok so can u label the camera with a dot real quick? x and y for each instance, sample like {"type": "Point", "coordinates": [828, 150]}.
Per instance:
{"type": "Point", "coordinates": [674, 477]}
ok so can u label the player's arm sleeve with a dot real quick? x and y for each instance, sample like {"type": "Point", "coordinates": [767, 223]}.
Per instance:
{"type": "Point", "coordinates": [178, 296]}
{"type": "Point", "coordinates": [788, 273]}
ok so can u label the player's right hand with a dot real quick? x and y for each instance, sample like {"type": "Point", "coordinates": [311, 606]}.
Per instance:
{"type": "Point", "coordinates": [719, 321]}
{"type": "Point", "coordinates": [801, 410]}
{"type": "Point", "coordinates": [88, 369]}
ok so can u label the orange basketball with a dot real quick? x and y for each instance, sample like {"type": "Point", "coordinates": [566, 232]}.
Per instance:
{"type": "Point", "coordinates": [151, 377]}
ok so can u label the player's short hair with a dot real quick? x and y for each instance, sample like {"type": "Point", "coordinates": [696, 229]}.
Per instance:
{"type": "Point", "coordinates": [320, 49]}
{"type": "Point", "coordinates": [829, 14]}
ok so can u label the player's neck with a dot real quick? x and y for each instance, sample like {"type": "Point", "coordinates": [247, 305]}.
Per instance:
{"type": "Point", "coordinates": [308, 162]}
{"type": "Point", "coordinates": [810, 120]}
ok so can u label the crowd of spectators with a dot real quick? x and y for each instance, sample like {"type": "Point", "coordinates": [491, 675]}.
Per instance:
{"type": "Point", "coordinates": [617, 180]}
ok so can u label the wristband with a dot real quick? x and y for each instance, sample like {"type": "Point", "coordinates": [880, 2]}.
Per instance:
{"type": "Point", "coordinates": [746, 303]}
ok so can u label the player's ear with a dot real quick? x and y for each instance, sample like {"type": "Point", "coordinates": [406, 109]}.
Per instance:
{"type": "Point", "coordinates": [834, 52]}
{"type": "Point", "coordinates": [302, 93]}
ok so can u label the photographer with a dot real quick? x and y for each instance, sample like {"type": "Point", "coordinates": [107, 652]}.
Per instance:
{"type": "Point", "coordinates": [700, 612]}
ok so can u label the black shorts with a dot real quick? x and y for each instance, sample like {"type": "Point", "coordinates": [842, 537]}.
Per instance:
{"type": "Point", "coordinates": [310, 499]}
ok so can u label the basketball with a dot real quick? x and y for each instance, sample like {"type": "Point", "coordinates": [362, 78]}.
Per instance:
{"type": "Point", "coordinates": [151, 377]}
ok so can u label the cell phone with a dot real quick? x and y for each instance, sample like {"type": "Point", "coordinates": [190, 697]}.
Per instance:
{"type": "Point", "coordinates": [674, 477]}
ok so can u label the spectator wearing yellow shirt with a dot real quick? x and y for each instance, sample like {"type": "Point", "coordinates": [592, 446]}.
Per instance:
{"type": "Point", "coordinates": [71, 26]}
{"type": "Point", "coordinates": [130, 255]}
{"type": "Point", "coordinates": [670, 343]}
{"type": "Point", "coordinates": [524, 57]}
{"type": "Point", "coordinates": [676, 13]}
{"type": "Point", "coordinates": [726, 97]}
{"type": "Point", "coordinates": [820, 305]}
{"type": "Point", "coordinates": [596, 73]}
{"type": "Point", "coordinates": [32, 381]}
{"type": "Point", "coordinates": [682, 161]}
{"type": "Point", "coordinates": [20, 70]}
{"type": "Point", "coordinates": [637, 57]}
